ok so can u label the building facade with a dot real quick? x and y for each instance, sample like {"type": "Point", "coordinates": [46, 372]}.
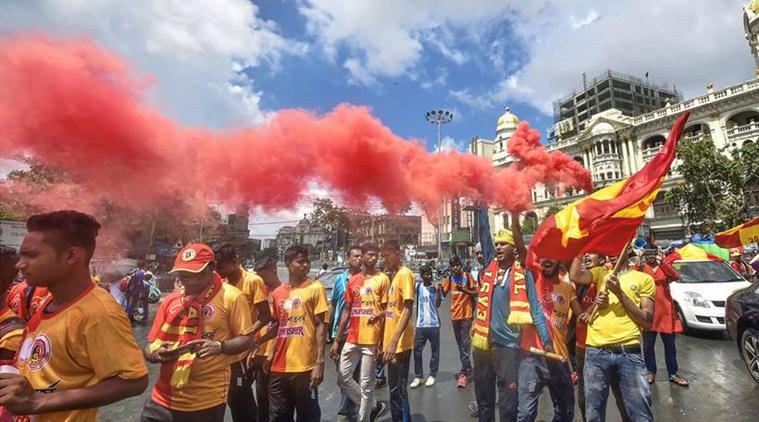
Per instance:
{"type": "Point", "coordinates": [379, 229]}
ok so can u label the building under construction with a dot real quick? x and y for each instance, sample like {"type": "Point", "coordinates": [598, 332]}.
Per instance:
{"type": "Point", "coordinates": [631, 95]}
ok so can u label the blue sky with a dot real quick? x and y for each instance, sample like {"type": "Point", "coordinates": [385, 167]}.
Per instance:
{"type": "Point", "coordinates": [228, 63]}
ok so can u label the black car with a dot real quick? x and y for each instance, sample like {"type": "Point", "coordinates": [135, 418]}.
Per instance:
{"type": "Point", "coordinates": [742, 319]}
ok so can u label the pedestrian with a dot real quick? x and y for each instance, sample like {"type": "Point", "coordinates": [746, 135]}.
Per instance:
{"type": "Point", "coordinates": [266, 268]}
{"type": "Point", "coordinates": [398, 339]}
{"type": "Point", "coordinates": [587, 273]}
{"type": "Point", "coordinates": [737, 264]}
{"type": "Point", "coordinates": [666, 321]}
{"type": "Point", "coordinates": [536, 372]}
{"type": "Point", "coordinates": [362, 316]}
{"type": "Point", "coordinates": [101, 363]}
{"type": "Point", "coordinates": [135, 292]}
{"type": "Point", "coordinates": [347, 409]}
{"type": "Point", "coordinates": [462, 287]}
{"type": "Point", "coordinates": [624, 306]}
{"type": "Point", "coordinates": [242, 403]}
{"type": "Point", "coordinates": [11, 326]}
{"type": "Point", "coordinates": [428, 298]}
{"type": "Point", "coordinates": [24, 299]}
{"type": "Point", "coordinates": [499, 318]}
{"type": "Point", "coordinates": [300, 318]}
{"type": "Point", "coordinates": [196, 333]}
{"type": "Point", "coordinates": [322, 270]}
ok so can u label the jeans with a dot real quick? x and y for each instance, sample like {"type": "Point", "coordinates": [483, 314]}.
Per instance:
{"type": "Point", "coordinates": [262, 388]}
{"type": "Point", "coordinates": [291, 392]}
{"type": "Point", "coordinates": [496, 369]}
{"type": "Point", "coordinates": [461, 328]}
{"type": "Point", "coordinates": [240, 399]}
{"type": "Point", "coordinates": [154, 412]}
{"type": "Point", "coordinates": [601, 367]}
{"type": "Point", "coordinates": [422, 335]}
{"type": "Point", "coordinates": [362, 395]}
{"type": "Point", "coordinates": [397, 379]}
{"type": "Point", "coordinates": [536, 372]}
{"type": "Point", "coordinates": [670, 352]}
{"type": "Point", "coordinates": [580, 353]}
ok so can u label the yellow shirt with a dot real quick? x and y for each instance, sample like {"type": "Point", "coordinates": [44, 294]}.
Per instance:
{"type": "Point", "coordinates": [11, 340]}
{"type": "Point", "coordinates": [401, 289]}
{"type": "Point", "coordinates": [266, 349]}
{"type": "Point", "coordinates": [226, 316]}
{"type": "Point", "coordinates": [296, 309]}
{"type": "Point", "coordinates": [253, 288]}
{"type": "Point", "coordinates": [365, 296]}
{"type": "Point", "coordinates": [562, 295]}
{"type": "Point", "coordinates": [611, 324]}
{"type": "Point", "coordinates": [78, 346]}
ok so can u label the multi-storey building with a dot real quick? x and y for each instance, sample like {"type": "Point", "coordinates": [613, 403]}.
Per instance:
{"type": "Point", "coordinates": [379, 229]}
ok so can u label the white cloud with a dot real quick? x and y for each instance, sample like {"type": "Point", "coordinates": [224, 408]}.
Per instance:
{"type": "Point", "coordinates": [196, 50]}
{"type": "Point", "coordinates": [448, 144]}
{"type": "Point", "coordinates": [685, 43]}
{"type": "Point", "coordinates": [591, 17]}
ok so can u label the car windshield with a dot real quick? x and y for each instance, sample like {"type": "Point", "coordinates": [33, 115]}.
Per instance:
{"type": "Point", "coordinates": [705, 272]}
{"type": "Point", "coordinates": [328, 279]}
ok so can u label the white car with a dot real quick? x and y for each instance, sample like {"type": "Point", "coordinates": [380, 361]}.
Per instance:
{"type": "Point", "coordinates": [701, 292]}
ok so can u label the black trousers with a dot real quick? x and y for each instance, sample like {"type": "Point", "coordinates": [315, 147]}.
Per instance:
{"type": "Point", "coordinates": [262, 388]}
{"type": "Point", "coordinates": [397, 379]}
{"type": "Point", "coordinates": [154, 412]}
{"type": "Point", "coordinates": [496, 369]}
{"type": "Point", "coordinates": [291, 393]}
{"type": "Point", "coordinates": [240, 399]}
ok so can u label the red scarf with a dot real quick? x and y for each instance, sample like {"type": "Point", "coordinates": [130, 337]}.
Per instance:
{"type": "Point", "coordinates": [181, 325]}
{"type": "Point", "coordinates": [519, 301]}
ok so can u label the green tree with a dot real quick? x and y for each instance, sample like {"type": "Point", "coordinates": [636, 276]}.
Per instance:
{"type": "Point", "coordinates": [333, 219]}
{"type": "Point", "coordinates": [553, 209]}
{"type": "Point", "coordinates": [714, 192]}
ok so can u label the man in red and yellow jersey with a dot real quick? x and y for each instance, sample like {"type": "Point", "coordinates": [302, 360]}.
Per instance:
{"type": "Point", "coordinates": [78, 352]}
{"type": "Point", "coordinates": [196, 333]}
{"type": "Point", "coordinates": [11, 326]}
{"type": "Point", "coordinates": [266, 268]}
{"type": "Point", "coordinates": [241, 402]}
{"type": "Point", "coordinates": [297, 368]}
{"type": "Point", "coordinates": [363, 307]}
{"type": "Point", "coordinates": [398, 341]}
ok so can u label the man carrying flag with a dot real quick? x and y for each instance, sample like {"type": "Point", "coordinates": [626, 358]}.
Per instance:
{"type": "Point", "coordinates": [507, 301]}
{"type": "Point", "coordinates": [196, 333]}
{"type": "Point", "coordinates": [605, 222]}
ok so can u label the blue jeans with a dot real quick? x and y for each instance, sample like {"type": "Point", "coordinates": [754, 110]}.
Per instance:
{"type": "Point", "coordinates": [670, 352]}
{"type": "Point", "coordinates": [461, 328]}
{"type": "Point", "coordinates": [536, 372]}
{"type": "Point", "coordinates": [600, 367]}
{"type": "Point", "coordinates": [422, 335]}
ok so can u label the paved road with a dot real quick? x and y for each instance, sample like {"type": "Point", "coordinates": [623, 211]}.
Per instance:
{"type": "Point", "coordinates": [720, 388]}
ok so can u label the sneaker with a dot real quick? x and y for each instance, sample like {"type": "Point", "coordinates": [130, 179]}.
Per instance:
{"type": "Point", "coordinates": [474, 409]}
{"type": "Point", "coordinates": [430, 381]}
{"type": "Point", "coordinates": [378, 411]}
{"type": "Point", "coordinates": [462, 381]}
{"type": "Point", "coordinates": [381, 382]}
{"type": "Point", "coordinates": [416, 382]}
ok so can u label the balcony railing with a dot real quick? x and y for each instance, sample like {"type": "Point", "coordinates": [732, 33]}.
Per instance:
{"type": "Point", "coordinates": [741, 133]}
{"type": "Point", "coordinates": [606, 157]}
{"type": "Point", "coordinates": [649, 153]}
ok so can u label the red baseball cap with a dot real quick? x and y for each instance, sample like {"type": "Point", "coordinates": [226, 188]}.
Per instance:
{"type": "Point", "coordinates": [193, 258]}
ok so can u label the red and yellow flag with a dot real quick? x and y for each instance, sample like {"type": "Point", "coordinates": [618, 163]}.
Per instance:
{"type": "Point", "coordinates": [606, 219]}
{"type": "Point", "coordinates": [691, 252]}
{"type": "Point", "coordinates": [738, 236]}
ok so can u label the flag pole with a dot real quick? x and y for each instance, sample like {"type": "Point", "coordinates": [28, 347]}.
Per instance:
{"type": "Point", "coordinates": [614, 272]}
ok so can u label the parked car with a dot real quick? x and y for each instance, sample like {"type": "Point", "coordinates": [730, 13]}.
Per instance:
{"type": "Point", "coordinates": [701, 292]}
{"type": "Point", "coordinates": [328, 279]}
{"type": "Point", "coordinates": [742, 314]}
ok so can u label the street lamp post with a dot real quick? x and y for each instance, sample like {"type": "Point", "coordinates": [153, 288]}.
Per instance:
{"type": "Point", "coordinates": [439, 118]}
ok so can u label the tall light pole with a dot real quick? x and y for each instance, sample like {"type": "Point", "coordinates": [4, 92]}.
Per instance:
{"type": "Point", "coordinates": [439, 118]}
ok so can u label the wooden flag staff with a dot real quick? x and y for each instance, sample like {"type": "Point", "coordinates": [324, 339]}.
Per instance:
{"type": "Point", "coordinates": [614, 272]}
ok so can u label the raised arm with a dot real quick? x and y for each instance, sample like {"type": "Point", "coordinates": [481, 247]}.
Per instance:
{"type": "Point", "coordinates": [486, 239]}
{"type": "Point", "coordinates": [578, 274]}
{"type": "Point", "coordinates": [516, 229]}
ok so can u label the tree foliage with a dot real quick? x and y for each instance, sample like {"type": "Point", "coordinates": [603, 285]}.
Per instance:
{"type": "Point", "coordinates": [335, 220]}
{"type": "Point", "coordinates": [715, 190]}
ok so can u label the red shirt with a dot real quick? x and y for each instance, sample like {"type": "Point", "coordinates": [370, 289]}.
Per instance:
{"type": "Point", "coordinates": [665, 315]}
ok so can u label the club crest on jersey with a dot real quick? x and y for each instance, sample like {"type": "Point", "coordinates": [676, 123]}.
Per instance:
{"type": "Point", "coordinates": [366, 290]}
{"type": "Point", "coordinates": [559, 299]}
{"type": "Point", "coordinates": [296, 303]}
{"type": "Point", "coordinates": [188, 255]}
{"type": "Point", "coordinates": [208, 313]}
{"type": "Point", "coordinates": [35, 353]}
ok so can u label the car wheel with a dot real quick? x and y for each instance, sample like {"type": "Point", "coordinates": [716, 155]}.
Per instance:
{"type": "Point", "coordinates": [750, 347]}
{"type": "Point", "coordinates": [684, 323]}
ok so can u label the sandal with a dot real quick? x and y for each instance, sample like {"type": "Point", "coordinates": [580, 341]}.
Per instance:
{"type": "Point", "coordinates": [652, 378]}
{"type": "Point", "coordinates": [677, 379]}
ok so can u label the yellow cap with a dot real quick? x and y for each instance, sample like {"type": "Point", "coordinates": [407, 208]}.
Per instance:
{"type": "Point", "coordinates": [504, 236]}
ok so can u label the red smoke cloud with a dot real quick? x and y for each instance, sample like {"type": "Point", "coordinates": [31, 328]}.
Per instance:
{"type": "Point", "coordinates": [76, 106]}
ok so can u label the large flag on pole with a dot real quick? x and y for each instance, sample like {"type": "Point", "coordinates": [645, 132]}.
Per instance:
{"type": "Point", "coordinates": [738, 236]}
{"type": "Point", "coordinates": [608, 218]}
